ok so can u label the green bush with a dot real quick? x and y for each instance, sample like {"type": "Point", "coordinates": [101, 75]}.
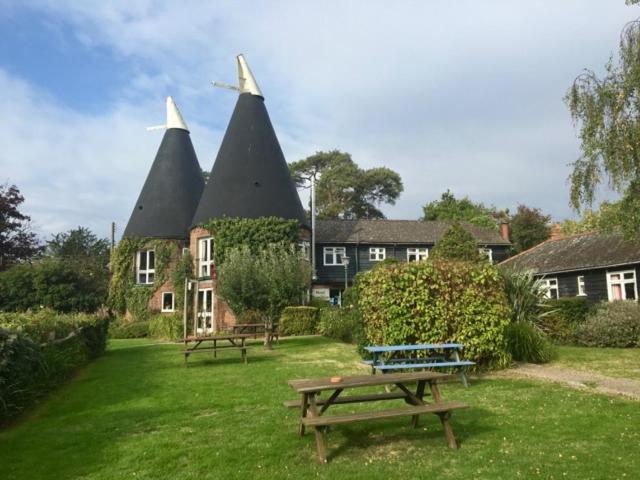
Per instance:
{"type": "Point", "coordinates": [124, 329]}
{"type": "Point", "coordinates": [614, 324]}
{"type": "Point", "coordinates": [526, 343]}
{"type": "Point", "coordinates": [344, 324]}
{"type": "Point", "coordinates": [298, 321]}
{"type": "Point", "coordinates": [39, 353]}
{"type": "Point", "coordinates": [164, 326]}
{"type": "Point", "coordinates": [435, 302]}
{"type": "Point", "coordinates": [563, 317]}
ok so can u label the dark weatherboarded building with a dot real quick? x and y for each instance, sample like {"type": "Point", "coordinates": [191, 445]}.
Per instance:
{"type": "Point", "coordinates": [365, 243]}
{"type": "Point", "coordinates": [594, 265]}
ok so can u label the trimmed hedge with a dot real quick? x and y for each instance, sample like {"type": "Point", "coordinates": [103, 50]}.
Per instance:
{"type": "Point", "coordinates": [342, 324]}
{"type": "Point", "coordinates": [40, 350]}
{"type": "Point", "coordinates": [563, 317]}
{"type": "Point", "coordinates": [614, 324]}
{"type": "Point", "coordinates": [436, 302]}
{"type": "Point", "coordinates": [124, 329]}
{"type": "Point", "coordinates": [298, 321]}
{"type": "Point", "coordinates": [165, 326]}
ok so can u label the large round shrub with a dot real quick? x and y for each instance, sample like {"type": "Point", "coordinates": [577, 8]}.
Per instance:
{"type": "Point", "coordinates": [615, 324]}
{"type": "Point", "coordinates": [436, 302]}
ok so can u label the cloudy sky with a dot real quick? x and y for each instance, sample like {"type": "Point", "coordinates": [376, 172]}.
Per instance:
{"type": "Point", "coordinates": [464, 95]}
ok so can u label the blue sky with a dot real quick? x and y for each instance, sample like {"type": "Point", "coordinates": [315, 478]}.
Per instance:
{"type": "Point", "coordinates": [462, 95]}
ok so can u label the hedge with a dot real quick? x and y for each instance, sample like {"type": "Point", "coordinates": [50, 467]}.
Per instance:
{"type": "Point", "coordinates": [614, 324]}
{"type": "Point", "coordinates": [563, 316]}
{"type": "Point", "coordinates": [436, 302]}
{"type": "Point", "coordinates": [40, 350]}
{"type": "Point", "coordinates": [298, 321]}
{"type": "Point", "coordinates": [343, 324]}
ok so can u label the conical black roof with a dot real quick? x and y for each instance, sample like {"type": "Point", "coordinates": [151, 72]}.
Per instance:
{"type": "Point", "coordinates": [171, 192]}
{"type": "Point", "coordinates": [250, 177]}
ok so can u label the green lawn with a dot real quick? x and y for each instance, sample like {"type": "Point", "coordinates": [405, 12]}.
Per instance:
{"type": "Point", "coordinates": [138, 413]}
{"type": "Point", "coordinates": [612, 362]}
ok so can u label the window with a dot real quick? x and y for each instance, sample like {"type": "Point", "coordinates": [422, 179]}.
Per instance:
{"type": "Point", "coordinates": [377, 254]}
{"type": "Point", "coordinates": [333, 255]}
{"type": "Point", "coordinates": [168, 304]}
{"type": "Point", "coordinates": [622, 285]}
{"type": "Point", "coordinates": [305, 249]}
{"type": "Point", "coordinates": [145, 267]}
{"type": "Point", "coordinates": [417, 254]}
{"type": "Point", "coordinates": [551, 285]}
{"type": "Point", "coordinates": [486, 252]}
{"type": "Point", "coordinates": [581, 291]}
{"type": "Point", "coordinates": [205, 256]}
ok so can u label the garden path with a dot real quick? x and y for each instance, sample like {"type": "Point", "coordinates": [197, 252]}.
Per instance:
{"type": "Point", "coordinates": [577, 379]}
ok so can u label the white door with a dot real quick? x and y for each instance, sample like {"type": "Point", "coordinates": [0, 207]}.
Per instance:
{"type": "Point", "coordinates": [204, 322]}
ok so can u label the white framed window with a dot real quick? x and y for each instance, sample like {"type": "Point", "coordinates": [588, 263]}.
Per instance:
{"type": "Point", "coordinates": [551, 286]}
{"type": "Point", "coordinates": [486, 253]}
{"type": "Point", "coordinates": [145, 267]}
{"type": "Point", "coordinates": [333, 255]}
{"type": "Point", "coordinates": [168, 302]}
{"type": "Point", "coordinates": [377, 254]}
{"type": "Point", "coordinates": [622, 285]}
{"type": "Point", "coordinates": [417, 254]}
{"type": "Point", "coordinates": [581, 291]}
{"type": "Point", "coordinates": [205, 256]}
{"type": "Point", "coordinates": [305, 249]}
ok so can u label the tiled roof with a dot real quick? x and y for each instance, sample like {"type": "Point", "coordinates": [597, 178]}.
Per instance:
{"type": "Point", "coordinates": [395, 231]}
{"type": "Point", "coordinates": [577, 252]}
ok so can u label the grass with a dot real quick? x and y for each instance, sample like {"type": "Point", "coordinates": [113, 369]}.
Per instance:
{"type": "Point", "coordinates": [612, 362]}
{"type": "Point", "coordinates": [138, 413]}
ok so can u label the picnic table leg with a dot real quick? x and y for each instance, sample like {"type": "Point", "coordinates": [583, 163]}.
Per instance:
{"type": "Point", "coordinates": [319, 431]}
{"type": "Point", "coordinates": [420, 395]}
{"type": "Point", "coordinates": [303, 412]}
{"type": "Point", "coordinates": [215, 351]}
{"type": "Point", "coordinates": [444, 416]}
{"type": "Point", "coordinates": [244, 351]}
{"type": "Point", "coordinates": [461, 374]}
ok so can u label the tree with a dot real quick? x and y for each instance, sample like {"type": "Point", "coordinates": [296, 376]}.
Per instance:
{"type": "Point", "coordinates": [265, 282]}
{"type": "Point", "coordinates": [344, 190]}
{"type": "Point", "coordinates": [456, 244]}
{"type": "Point", "coordinates": [607, 112]}
{"type": "Point", "coordinates": [608, 218]}
{"type": "Point", "coordinates": [17, 241]}
{"type": "Point", "coordinates": [529, 227]}
{"type": "Point", "coordinates": [449, 208]}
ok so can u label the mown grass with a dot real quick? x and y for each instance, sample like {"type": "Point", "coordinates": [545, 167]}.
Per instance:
{"type": "Point", "coordinates": [138, 413]}
{"type": "Point", "coordinates": [612, 362]}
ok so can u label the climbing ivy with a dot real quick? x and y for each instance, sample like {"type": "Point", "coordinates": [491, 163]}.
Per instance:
{"type": "Point", "coordinates": [124, 294]}
{"type": "Point", "coordinates": [256, 233]}
{"type": "Point", "coordinates": [182, 271]}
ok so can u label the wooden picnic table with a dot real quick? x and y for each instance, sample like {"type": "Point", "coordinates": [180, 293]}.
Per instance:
{"type": "Point", "coordinates": [254, 329]}
{"type": "Point", "coordinates": [237, 341]}
{"type": "Point", "coordinates": [436, 355]}
{"type": "Point", "coordinates": [312, 409]}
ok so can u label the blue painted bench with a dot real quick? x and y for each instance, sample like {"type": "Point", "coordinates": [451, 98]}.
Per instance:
{"type": "Point", "coordinates": [436, 355]}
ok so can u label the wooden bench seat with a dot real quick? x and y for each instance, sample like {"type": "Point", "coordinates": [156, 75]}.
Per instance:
{"type": "Point", "coordinates": [351, 399]}
{"type": "Point", "coordinates": [396, 366]}
{"type": "Point", "coordinates": [435, 408]}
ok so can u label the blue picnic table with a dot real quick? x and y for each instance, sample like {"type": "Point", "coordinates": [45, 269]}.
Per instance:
{"type": "Point", "coordinates": [435, 355]}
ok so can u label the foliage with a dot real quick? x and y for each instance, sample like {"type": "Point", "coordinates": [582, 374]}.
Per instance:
{"type": "Point", "coordinates": [608, 116]}
{"type": "Point", "coordinates": [266, 281]}
{"type": "Point", "coordinates": [124, 294]}
{"type": "Point", "coordinates": [343, 324]}
{"type": "Point", "coordinates": [612, 324]}
{"type": "Point", "coordinates": [563, 317]}
{"type": "Point", "coordinates": [437, 302]}
{"type": "Point", "coordinates": [526, 343]}
{"type": "Point", "coordinates": [344, 190]}
{"type": "Point", "coordinates": [78, 243]}
{"type": "Point", "coordinates": [182, 271]}
{"type": "Point", "coordinates": [529, 227]}
{"type": "Point", "coordinates": [50, 283]}
{"type": "Point", "coordinates": [255, 233]}
{"type": "Point", "coordinates": [456, 244]}
{"type": "Point", "coordinates": [608, 218]}
{"type": "Point", "coordinates": [29, 370]}
{"type": "Point", "coordinates": [17, 241]}
{"type": "Point", "coordinates": [298, 321]}
{"type": "Point", "coordinates": [123, 329]}
{"type": "Point", "coordinates": [525, 296]}
{"type": "Point", "coordinates": [451, 209]}
{"type": "Point", "coordinates": [165, 326]}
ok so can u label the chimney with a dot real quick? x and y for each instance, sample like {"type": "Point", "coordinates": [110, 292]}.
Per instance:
{"type": "Point", "coordinates": [556, 232]}
{"type": "Point", "coordinates": [504, 231]}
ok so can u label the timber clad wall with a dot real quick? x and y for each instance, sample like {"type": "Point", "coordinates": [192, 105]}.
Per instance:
{"type": "Point", "coordinates": [595, 282]}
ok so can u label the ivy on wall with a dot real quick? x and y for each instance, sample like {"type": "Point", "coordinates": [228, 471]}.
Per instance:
{"type": "Point", "coordinates": [125, 295]}
{"type": "Point", "coordinates": [256, 233]}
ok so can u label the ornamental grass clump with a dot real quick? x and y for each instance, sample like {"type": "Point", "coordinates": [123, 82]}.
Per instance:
{"type": "Point", "coordinates": [437, 302]}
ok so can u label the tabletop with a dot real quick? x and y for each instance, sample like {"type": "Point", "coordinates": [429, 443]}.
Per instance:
{"type": "Point", "coordinates": [401, 348]}
{"type": "Point", "coordinates": [307, 385]}
{"type": "Point", "coordinates": [233, 336]}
